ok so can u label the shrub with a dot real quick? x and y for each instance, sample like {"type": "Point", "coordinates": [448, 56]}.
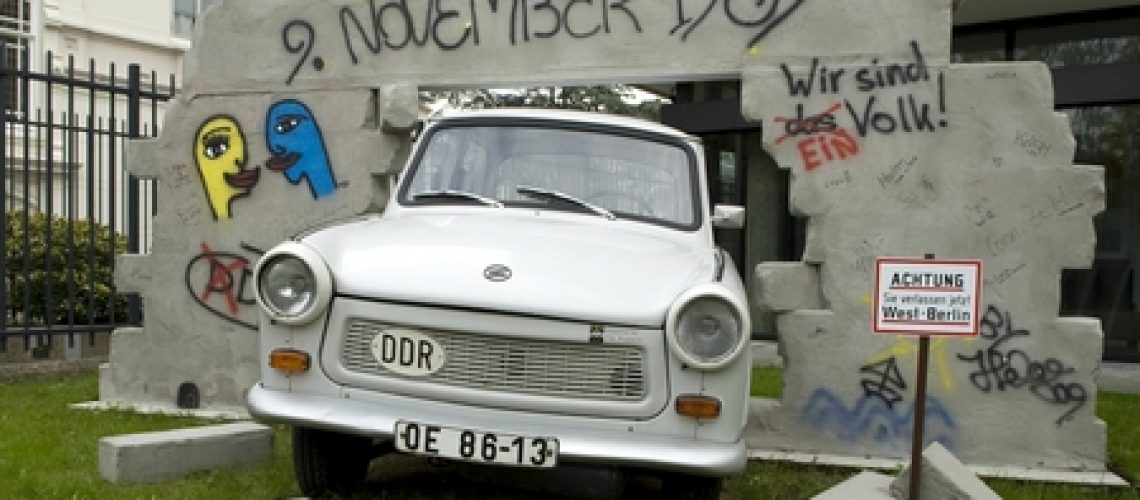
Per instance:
{"type": "Point", "coordinates": [64, 280]}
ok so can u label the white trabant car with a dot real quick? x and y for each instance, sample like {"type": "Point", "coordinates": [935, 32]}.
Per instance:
{"type": "Point", "coordinates": [542, 289]}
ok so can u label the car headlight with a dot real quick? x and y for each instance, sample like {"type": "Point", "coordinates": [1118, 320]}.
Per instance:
{"type": "Point", "coordinates": [293, 284]}
{"type": "Point", "coordinates": [708, 327]}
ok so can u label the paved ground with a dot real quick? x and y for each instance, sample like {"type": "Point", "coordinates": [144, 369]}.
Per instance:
{"type": "Point", "coordinates": [1119, 377]}
{"type": "Point", "coordinates": [16, 371]}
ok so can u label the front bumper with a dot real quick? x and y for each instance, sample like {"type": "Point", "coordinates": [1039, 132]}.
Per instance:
{"type": "Point", "coordinates": [581, 440]}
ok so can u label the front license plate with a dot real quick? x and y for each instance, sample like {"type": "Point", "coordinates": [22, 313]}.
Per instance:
{"type": "Point", "coordinates": [476, 446]}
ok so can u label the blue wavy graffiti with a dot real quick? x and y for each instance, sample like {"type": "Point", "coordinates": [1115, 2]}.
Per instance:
{"type": "Point", "coordinates": [297, 148]}
{"type": "Point", "coordinates": [872, 416]}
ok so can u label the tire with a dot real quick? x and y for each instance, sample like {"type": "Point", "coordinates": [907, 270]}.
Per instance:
{"type": "Point", "coordinates": [687, 487]}
{"type": "Point", "coordinates": [328, 463]}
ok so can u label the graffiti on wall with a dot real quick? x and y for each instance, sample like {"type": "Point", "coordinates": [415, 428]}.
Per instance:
{"type": "Point", "coordinates": [904, 348]}
{"type": "Point", "coordinates": [762, 16]}
{"type": "Point", "coordinates": [883, 380]}
{"type": "Point", "coordinates": [392, 25]}
{"type": "Point", "coordinates": [879, 98]}
{"type": "Point", "coordinates": [297, 148]}
{"type": "Point", "coordinates": [872, 417]}
{"type": "Point", "coordinates": [221, 156]}
{"type": "Point", "coordinates": [882, 414]}
{"type": "Point", "coordinates": [825, 140]}
{"type": "Point", "coordinates": [1000, 367]}
{"type": "Point", "coordinates": [219, 281]}
{"type": "Point", "coordinates": [1042, 209]}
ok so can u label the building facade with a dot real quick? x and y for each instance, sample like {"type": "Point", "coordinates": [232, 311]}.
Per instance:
{"type": "Point", "coordinates": [112, 33]}
{"type": "Point", "coordinates": [93, 42]}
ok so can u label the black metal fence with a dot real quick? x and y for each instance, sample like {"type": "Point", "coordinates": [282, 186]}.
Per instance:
{"type": "Point", "coordinates": [68, 205]}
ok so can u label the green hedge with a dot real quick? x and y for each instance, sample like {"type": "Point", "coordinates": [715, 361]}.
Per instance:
{"type": "Point", "coordinates": [72, 269]}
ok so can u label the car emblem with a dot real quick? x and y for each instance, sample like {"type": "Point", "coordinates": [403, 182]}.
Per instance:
{"type": "Point", "coordinates": [497, 273]}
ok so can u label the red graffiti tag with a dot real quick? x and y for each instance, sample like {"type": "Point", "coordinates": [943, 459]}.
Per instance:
{"type": "Point", "coordinates": [827, 141]}
{"type": "Point", "coordinates": [227, 277]}
{"type": "Point", "coordinates": [836, 145]}
{"type": "Point", "coordinates": [221, 278]}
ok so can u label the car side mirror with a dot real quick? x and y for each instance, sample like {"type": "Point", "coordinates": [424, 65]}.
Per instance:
{"type": "Point", "coordinates": [728, 217]}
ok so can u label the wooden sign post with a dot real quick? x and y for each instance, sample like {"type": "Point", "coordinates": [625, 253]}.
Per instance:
{"type": "Point", "coordinates": [926, 297]}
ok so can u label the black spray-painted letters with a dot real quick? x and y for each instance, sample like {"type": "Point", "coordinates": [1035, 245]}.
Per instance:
{"type": "Point", "coordinates": [376, 26]}
{"type": "Point", "coordinates": [906, 110]}
{"type": "Point", "coordinates": [1001, 369]}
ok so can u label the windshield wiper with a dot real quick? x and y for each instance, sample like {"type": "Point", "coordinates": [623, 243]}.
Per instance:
{"type": "Point", "coordinates": [549, 194]}
{"type": "Point", "coordinates": [454, 194]}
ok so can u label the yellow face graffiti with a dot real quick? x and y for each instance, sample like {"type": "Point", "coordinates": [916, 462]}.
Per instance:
{"type": "Point", "coordinates": [220, 152]}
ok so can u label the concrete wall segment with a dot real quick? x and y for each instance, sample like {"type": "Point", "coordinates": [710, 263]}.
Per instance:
{"type": "Point", "coordinates": [786, 286]}
{"type": "Point", "coordinates": [229, 193]}
{"type": "Point", "coordinates": [904, 155]}
{"type": "Point", "coordinates": [1009, 426]}
{"type": "Point", "coordinates": [305, 45]}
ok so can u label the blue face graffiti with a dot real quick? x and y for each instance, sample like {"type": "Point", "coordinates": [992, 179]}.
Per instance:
{"type": "Point", "coordinates": [297, 148]}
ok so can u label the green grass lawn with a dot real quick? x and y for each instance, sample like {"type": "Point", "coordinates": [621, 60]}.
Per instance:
{"type": "Point", "coordinates": [49, 451]}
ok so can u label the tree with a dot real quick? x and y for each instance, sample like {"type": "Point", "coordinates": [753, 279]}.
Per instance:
{"type": "Point", "coordinates": [60, 271]}
{"type": "Point", "coordinates": [618, 99]}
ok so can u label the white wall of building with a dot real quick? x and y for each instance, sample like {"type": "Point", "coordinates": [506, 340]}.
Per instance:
{"type": "Point", "coordinates": [120, 31]}
{"type": "Point", "coordinates": [113, 34]}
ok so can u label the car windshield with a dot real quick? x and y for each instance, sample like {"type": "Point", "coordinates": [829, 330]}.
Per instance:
{"type": "Point", "coordinates": [590, 171]}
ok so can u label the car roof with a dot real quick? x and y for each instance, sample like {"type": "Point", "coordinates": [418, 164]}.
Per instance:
{"type": "Point", "coordinates": [584, 117]}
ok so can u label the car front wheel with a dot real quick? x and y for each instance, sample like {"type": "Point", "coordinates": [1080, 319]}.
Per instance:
{"type": "Point", "coordinates": [329, 463]}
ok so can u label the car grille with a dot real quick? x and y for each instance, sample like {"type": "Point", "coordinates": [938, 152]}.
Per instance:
{"type": "Point", "coordinates": [562, 369]}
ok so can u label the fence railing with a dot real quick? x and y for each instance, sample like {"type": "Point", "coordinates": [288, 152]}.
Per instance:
{"type": "Point", "coordinates": [68, 205]}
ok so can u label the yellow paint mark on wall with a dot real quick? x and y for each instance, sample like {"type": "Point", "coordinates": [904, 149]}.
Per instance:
{"type": "Point", "coordinates": [905, 348]}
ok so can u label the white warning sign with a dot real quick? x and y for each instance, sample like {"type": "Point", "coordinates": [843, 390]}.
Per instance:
{"type": "Point", "coordinates": [927, 297]}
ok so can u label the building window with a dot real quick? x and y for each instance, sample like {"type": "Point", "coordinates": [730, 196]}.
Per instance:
{"type": "Point", "coordinates": [186, 14]}
{"type": "Point", "coordinates": [979, 47]}
{"type": "Point", "coordinates": [17, 38]}
{"type": "Point", "coordinates": [1107, 41]}
{"type": "Point", "coordinates": [1110, 136]}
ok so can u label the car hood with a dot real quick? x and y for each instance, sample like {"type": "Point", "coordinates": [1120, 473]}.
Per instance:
{"type": "Point", "coordinates": [573, 267]}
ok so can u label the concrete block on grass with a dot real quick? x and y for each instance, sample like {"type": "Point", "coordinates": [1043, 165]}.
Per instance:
{"type": "Point", "coordinates": [157, 456]}
{"type": "Point", "coordinates": [943, 478]}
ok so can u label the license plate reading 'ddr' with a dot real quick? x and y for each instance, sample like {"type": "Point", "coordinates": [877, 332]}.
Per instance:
{"type": "Point", "coordinates": [476, 446]}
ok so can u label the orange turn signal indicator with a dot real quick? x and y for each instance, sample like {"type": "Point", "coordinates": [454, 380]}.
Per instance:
{"type": "Point", "coordinates": [290, 361]}
{"type": "Point", "coordinates": [698, 406]}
